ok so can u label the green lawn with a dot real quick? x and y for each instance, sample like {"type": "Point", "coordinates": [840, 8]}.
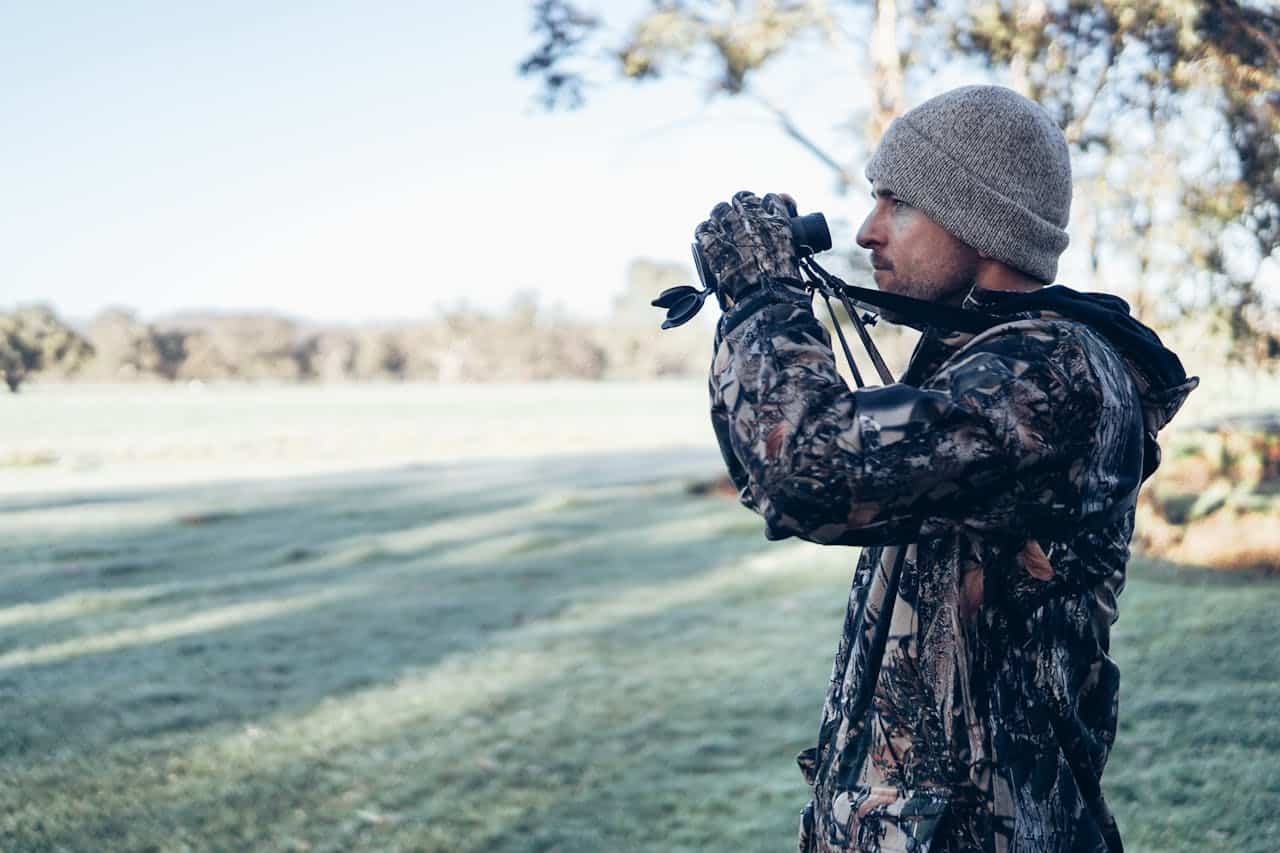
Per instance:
{"type": "Point", "coordinates": [571, 654]}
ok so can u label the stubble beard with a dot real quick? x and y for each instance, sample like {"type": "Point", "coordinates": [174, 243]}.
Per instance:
{"type": "Point", "coordinates": [950, 288]}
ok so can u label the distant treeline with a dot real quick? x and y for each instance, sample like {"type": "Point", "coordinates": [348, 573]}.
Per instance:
{"type": "Point", "coordinates": [458, 345]}
{"type": "Point", "coordinates": [525, 342]}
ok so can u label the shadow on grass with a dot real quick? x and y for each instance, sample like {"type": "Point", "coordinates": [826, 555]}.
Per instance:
{"type": "Point", "coordinates": [112, 658]}
{"type": "Point", "coordinates": [59, 544]}
{"type": "Point", "coordinates": [441, 648]}
{"type": "Point", "coordinates": [671, 700]}
{"type": "Point", "coordinates": [568, 654]}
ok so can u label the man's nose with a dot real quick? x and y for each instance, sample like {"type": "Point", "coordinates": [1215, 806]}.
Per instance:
{"type": "Point", "coordinates": [870, 235]}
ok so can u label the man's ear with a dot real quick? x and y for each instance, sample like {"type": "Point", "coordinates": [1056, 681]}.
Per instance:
{"type": "Point", "coordinates": [983, 255]}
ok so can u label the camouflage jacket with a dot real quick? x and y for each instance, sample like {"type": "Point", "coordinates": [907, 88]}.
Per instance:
{"type": "Point", "coordinates": [972, 702]}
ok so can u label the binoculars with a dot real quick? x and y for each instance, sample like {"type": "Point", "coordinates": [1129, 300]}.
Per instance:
{"type": "Point", "coordinates": [809, 235]}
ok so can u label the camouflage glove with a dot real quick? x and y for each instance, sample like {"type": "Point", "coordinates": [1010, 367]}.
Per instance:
{"type": "Point", "coordinates": [748, 247]}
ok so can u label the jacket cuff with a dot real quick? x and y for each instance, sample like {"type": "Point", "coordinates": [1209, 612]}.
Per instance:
{"type": "Point", "coordinates": [772, 292]}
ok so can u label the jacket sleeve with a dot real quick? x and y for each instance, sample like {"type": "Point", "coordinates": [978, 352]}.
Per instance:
{"type": "Point", "coordinates": [835, 466]}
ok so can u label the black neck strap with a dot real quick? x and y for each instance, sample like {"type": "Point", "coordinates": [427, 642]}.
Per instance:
{"type": "Point", "coordinates": [920, 313]}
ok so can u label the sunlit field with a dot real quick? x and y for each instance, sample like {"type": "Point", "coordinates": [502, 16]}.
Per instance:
{"type": "Point", "coordinates": [504, 618]}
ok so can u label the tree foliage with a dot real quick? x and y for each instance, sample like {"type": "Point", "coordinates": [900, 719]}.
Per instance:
{"type": "Point", "coordinates": [1172, 109]}
{"type": "Point", "coordinates": [34, 340]}
{"type": "Point", "coordinates": [526, 342]}
{"type": "Point", "coordinates": [126, 349]}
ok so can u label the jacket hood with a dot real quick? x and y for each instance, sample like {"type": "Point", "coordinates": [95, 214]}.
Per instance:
{"type": "Point", "coordinates": [1163, 384]}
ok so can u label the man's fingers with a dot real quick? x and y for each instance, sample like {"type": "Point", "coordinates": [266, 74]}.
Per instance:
{"type": "Point", "coordinates": [780, 204]}
{"type": "Point", "coordinates": [746, 202]}
{"type": "Point", "coordinates": [715, 245]}
{"type": "Point", "coordinates": [708, 233]}
{"type": "Point", "coordinates": [749, 220]}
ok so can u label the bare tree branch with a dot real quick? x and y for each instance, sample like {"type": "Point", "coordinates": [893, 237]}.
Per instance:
{"type": "Point", "coordinates": [789, 127]}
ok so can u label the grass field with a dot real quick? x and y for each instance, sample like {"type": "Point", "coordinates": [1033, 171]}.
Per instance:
{"type": "Point", "coordinates": [565, 652]}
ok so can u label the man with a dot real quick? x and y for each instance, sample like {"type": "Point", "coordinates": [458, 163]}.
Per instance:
{"type": "Point", "coordinates": [972, 702]}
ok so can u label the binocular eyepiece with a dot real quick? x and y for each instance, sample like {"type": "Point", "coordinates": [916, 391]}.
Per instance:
{"type": "Point", "coordinates": [809, 235]}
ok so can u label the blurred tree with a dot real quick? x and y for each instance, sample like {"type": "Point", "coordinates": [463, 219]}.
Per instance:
{"type": "Point", "coordinates": [240, 346]}
{"type": "Point", "coordinates": [645, 280]}
{"type": "Point", "coordinates": [1172, 109]}
{"type": "Point", "coordinates": [634, 346]}
{"type": "Point", "coordinates": [34, 340]}
{"type": "Point", "coordinates": [125, 348]}
{"type": "Point", "coordinates": [378, 355]}
{"type": "Point", "coordinates": [524, 343]}
{"type": "Point", "coordinates": [16, 360]}
{"type": "Point", "coordinates": [331, 356]}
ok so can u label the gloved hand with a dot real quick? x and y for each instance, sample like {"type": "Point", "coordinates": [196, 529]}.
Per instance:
{"type": "Point", "coordinates": [747, 244]}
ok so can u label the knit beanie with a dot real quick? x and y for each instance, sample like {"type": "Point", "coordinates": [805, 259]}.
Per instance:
{"type": "Point", "coordinates": [990, 167]}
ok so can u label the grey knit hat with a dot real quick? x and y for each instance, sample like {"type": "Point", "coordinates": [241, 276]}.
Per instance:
{"type": "Point", "coordinates": [990, 167]}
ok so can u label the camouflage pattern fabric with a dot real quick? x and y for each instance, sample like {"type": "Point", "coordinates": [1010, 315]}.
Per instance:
{"type": "Point", "coordinates": [999, 476]}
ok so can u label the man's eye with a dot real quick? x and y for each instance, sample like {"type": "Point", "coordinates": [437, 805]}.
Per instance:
{"type": "Point", "coordinates": [899, 204]}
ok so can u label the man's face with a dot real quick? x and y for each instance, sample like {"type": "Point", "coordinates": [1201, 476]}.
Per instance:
{"type": "Point", "coordinates": [914, 256]}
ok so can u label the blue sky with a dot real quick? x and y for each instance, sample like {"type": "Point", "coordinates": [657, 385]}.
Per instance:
{"type": "Point", "coordinates": [346, 161]}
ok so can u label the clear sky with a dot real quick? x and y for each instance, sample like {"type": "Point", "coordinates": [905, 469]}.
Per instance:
{"type": "Point", "coordinates": [353, 161]}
